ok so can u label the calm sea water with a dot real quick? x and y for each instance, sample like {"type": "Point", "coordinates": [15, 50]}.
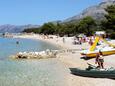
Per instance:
{"type": "Point", "coordinates": [48, 72]}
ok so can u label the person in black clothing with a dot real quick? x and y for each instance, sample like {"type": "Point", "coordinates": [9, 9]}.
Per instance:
{"type": "Point", "coordinates": [17, 42]}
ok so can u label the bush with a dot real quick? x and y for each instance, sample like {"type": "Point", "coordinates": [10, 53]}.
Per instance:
{"type": "Point", "coordinates": [112, 35]}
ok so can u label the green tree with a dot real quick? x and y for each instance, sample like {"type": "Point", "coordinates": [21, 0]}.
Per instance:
{"type": "Point", "coordinates": [48, 28]}
{"type": "Point", "coordinates": [86, 25]}
{"type": "Point", "coordinates": [29, 30]}
{"type": "Point", "coordinates": [109, 24]}
{"type": "Point", "coordinates": [70, 29]}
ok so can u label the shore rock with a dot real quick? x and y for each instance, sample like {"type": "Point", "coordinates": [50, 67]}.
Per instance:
{"type": "Point", "coordinates": [34, 55]}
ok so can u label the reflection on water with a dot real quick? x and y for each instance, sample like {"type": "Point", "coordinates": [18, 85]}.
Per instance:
{"type": "Point", "coordinates": [48, 72]}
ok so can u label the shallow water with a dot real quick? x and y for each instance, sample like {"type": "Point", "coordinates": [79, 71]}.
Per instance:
{"type": "Point", "coordinates": [8, 46]}
{"type": "Point", "coordinates": [48, 72]}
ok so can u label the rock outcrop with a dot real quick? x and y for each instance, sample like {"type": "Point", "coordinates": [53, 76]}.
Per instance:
{"type": "Point", "coordinates": [34, 55]}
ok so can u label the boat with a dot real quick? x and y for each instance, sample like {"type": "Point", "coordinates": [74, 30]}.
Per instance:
{"type": "Point", "coordinates": [94, 72]}
{"type": "Point", "coordinates": [94, 49]}
{"type": "Point", "coordinates": [105, 51]}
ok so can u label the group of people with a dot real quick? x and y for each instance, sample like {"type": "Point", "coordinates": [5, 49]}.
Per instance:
{"type": "Point", "coordinates": [80, 40]}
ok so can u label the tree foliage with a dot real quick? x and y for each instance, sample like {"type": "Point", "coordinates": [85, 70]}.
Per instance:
{"type": "Point", "coordinates": [29, 30]}
{"type": "Point", "coordinates": [87, 25]}
{"type": "Point", "coordinates": [109, 24]}
{"type": "Point", "coordinates": [84, 26]}
{"type": "Point", "coordinates": [48, 28]}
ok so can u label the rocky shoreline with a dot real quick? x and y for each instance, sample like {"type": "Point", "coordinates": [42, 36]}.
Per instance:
{"type": "Point", "coordinates": [35, 55]}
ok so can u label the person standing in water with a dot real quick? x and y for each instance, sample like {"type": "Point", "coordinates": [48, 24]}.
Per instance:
{"type": "Point", "coordinates": [100, 60]}
{"type": "Point", "coordinates": [17, 42]}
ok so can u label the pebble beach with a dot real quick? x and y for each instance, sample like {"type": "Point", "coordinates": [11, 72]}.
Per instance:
{"type": "Point", "coordinates": [74, 60]}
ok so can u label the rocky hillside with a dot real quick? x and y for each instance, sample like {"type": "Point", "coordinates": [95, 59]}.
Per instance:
{"type": "Point", "coordinates": [15, 29]}
{"type": "Point", "coordinates": [97, 12]}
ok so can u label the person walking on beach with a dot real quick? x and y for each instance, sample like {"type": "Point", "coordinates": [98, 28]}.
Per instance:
{"type": "Point", "coordinates": [63, 40]}
{"type": "Point", "coordinates": [100, 60]}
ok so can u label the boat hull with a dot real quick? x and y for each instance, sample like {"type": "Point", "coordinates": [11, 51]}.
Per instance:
{"type": "Point", "coordinates": [105, 53]}
{"type": "Point", "coordinates": [93, 73]}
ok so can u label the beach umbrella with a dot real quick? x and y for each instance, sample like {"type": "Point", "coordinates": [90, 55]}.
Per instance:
{"type": "Point", "coordinates": [81, 35]}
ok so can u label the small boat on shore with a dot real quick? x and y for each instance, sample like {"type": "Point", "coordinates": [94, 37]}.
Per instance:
{"type": "Point", "coordinates": [93, 71]}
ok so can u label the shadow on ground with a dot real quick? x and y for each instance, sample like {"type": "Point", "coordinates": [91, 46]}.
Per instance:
{"type": "Point", "coordinates": [86, 58]}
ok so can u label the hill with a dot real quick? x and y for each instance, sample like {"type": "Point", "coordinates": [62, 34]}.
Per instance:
{"type": "Point", "coordinates": [97, 12]}
{"type": "Point", "coordinates": [15, 29]}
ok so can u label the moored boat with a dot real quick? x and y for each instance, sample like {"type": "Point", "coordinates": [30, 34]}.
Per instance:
{"type": "Point", "coordinates": [94, 72]}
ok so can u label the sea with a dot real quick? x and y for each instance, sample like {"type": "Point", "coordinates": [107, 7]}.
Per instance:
{"type": "Point", "coordinates": [43, 72]}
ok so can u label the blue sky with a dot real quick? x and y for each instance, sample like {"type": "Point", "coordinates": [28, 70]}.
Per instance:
{"type": "Point", "coordinates": [20, 12]}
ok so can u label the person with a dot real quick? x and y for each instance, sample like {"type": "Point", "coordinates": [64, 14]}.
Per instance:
{"type": "Point", "coordinates": [90, 41]}
{"type": "Point", "coordinates": [17, 42]}
{"type": "Point", "coordinates": [100, 60]}
{"type": "Point", "coordinates": [63, 40]}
